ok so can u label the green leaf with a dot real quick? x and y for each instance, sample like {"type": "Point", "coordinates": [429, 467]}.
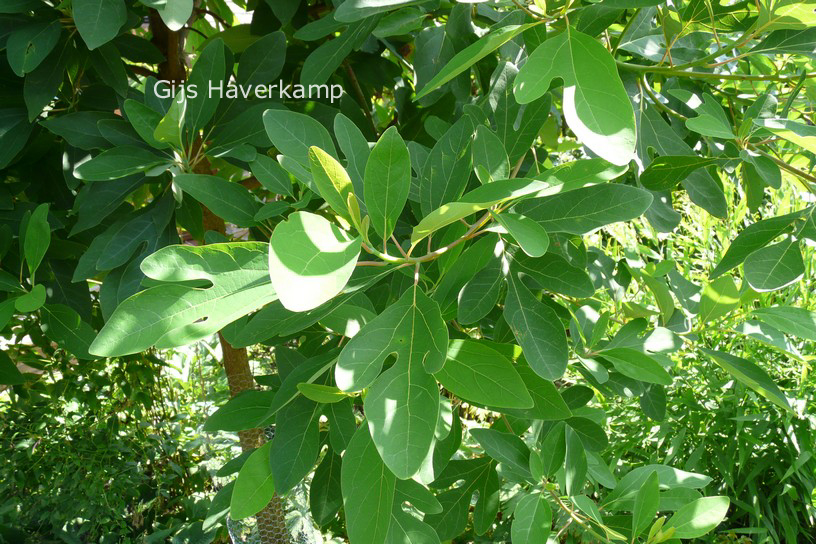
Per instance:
{"type": "Point", "coordinates": [532, 519]}
{"type": "Point", "coordinates": [596, 106]}
{"type": "Point", "coordinates": [699, 517]}
{"type": "Point", "coordinates": [255, 486]}
{"type": "Point", "coordinates": [665, 172]}
{"type": "Point", "coordinates": [9, 375]}
{"type": "Point", "coordinates": [247, 410]}
{"type": "Point", "coordinates": [262, 61]}
{"type": "Point", "coordinates": [326, 394]}
{"type": "Point", "coordinates": [751, 375]}
{"type": "Point", "coordinates": [530, 236]}
{"type": "Point", "coordinates": [637, 365]}
{"type": "Point", "coordinates": [791, 320]}
{"type": "Point", "coordinates": [37, 238]}
{"type": "Point", "coordinates": [323, 61]}
{"type": "Point", "coordinates": [310, 260]}
{"type": "Point", "coordinates": [548, 405]}
{"type": "Point", "coordinates": [80, 128]}
{"type": "Point", "coordinates": [587, 209]}
{"type": "Point", "coordinates": [368, 490]}
{"type": "Point", "coordinates": [296, 444]}
{"type": "Point", "coordinates": [294, 133]}
{"type": "Point", "coordinates": [32, 300]}
{"type": "Point", "coordinates": [799, 133]}
{"type": "Point", "coordinates": [387, 182]}
{"type": "Point", "coordinates": [575, 467]}
{"type": "Point", "coordinates": [718, 299]}
{"type": "Point", "coordinates": [553, 273]}
{"type": "Point", "coordinates": [228, 200]}
{"type": "Point", "coordinates": [29, 45]}
{"type": "Point", "coordinates": [61, 324]}
{"type": "Point", "coordinates": [647, 501]}
{"type": "Point", "coordinates": [356, 10]}
{"type": "Point", "coordinates": [144, 121]}
{"type": "Point", "coordinates": [325, 495]}
{"type": "Point", "coordinates": [775, 266]}
{"type": "Point", "coordinates": [711, 120]}
{"type": "Point", "coordinates": [480, 294]}
{"type": "Point", "coordinates": [482, 375]}
{"type": "Point", "coordinates": [537, 330]}
{"type": "Point", "coordinates": [412, 328]}
{"type": "Point", "coordinates": [788, 41]}
{"type": "Point", "coordinates": [271, 175]}
{"type": "Point", "coordinates": [98, 21]}
{"type": "Point", "coordinates": [490, 160]}
{"type": "Point", "coordinates": [332, 181]}
{"type": "Point", "coordinates": [752, 238]}
{"type": "Point", "coordinates": [175, 314]}
{"type": "Point", "coordinates": [506, 448]}
{"type": "Point", "coordinates": [119, 162]}
{"type": "Point", "coordinates": [447, 168]}
{"type": "Point", "coordinates": [472, 54]}
{"type": "Point", "coordinates": [210, 69]}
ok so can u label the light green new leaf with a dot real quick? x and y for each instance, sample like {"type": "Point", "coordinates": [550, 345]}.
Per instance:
{"type": "Point", "coordinates": [294, 133]}
{"type": "Point", "coordinates": [799, 133]}
{"type": "Point", "coordinates": [637, 365]}
{"type": "Point", "coordinates": [472, 54]}
{"type": "Point", "coordinates": [175, 314]}
{"type": "Point", "coordinates": [326, 394]}
{"type": "Point", "coordinates": [751, 375]}
{"type": "Point", "coordinates": [368, 490]}
{"type": "Point", "coordinates": [37, 238]}
{"type": "Point", "coordinates": [596, 105]}
{"type": "Point", "coordinates": [775, 266]}
{"type": "Point", "coordinates": [788, 41]}
{"type": "Point", "coordinates": [332, 180]}
{"type": "Point", "coordinates": [310, 260]}
{"type": "Point", "coordinates": [170, 128]}
{"type": "Point", "coordinates": [412, 328]}
{"type": "Point", "coordinates": [356, 10]}
{"type": "Point", "coordinates": [254, 486]}
{"type": "Point", "coordinates": [752, 238]}
{"type": "Point", "coordinates": [699, 517]}
{"type": "Point", "coordinates": [98, 21]}
{"type": "Point", "coordinates": [482, 375]}
{"type": "Point", "coordinates": [230, 201]}
{"type": "Point", "coordinates": [647, 501]}
{"type": "Point", "coordinates": [478, 199]}
{"type": "Point", "coordinates": [532, 519]}
{"type": "Point", "coordinates": [718, 299]}
{"type": "Point", "coordinates": [537, 329]}
{"type": "Point", "coordinates": [530, 236]}
{"type": "Point", "coordinates": [586, 209]}
{"type": "Point", "coordinates": [387, 182]}
{"type": "Point", "coordinates": [790, 320]}
{"type": "Point", "coordinates": [119, 162]}
{"type": "Point", "coordinates": [175, 13]}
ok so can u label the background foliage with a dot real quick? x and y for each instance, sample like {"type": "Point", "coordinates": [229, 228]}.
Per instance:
{"type": "Point", "coordinates": [543, 271]}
